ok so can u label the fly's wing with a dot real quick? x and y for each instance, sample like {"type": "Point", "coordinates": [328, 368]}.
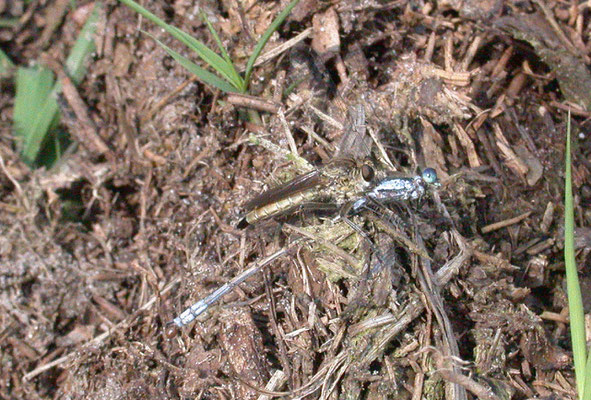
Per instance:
{"type": "Point", "coordinates": [298, 184]}
{"type": "Point", "coordinates": [355, 143]}
{"type": "Point", "coordinates": [312, 80]}
{"type": "Point", "coordinates": [310, 77]}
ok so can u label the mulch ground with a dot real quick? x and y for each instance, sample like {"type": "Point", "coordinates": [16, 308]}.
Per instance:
{"type": "Point", "coordinates": [458, 295]}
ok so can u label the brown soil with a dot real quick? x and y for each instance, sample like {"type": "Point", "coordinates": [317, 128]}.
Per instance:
{"type": "Point", "coordinates": [100, 253]}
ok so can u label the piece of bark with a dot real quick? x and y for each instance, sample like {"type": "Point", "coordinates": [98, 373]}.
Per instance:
{"type": "Point", "coordinates": [571, 72]}
{"type": "Point", "coordinates": [326, 32]}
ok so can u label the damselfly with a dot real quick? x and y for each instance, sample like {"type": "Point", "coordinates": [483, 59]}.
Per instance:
{"type": "Point", "coordinates": [348, 183]}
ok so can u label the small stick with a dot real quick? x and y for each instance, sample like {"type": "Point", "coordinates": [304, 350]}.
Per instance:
{"type": "Point", "coordinates": [552, 316]}
{"type": "Point", "coordinates": [447, 53]}
{"type": "Point", "coordinates": [319, 139]}
{"type": "Point", "coordinates": [505, 223]}
{"type": "Point", "coordinates": [429, 48]}
{"type": "Point", "coordinates": [290, 140]}
{"type": "Point", "coordinates": [574, 109]}
{"type": "Point", "coordinates": [539, 247]}
{"type": "Point", "coordinates": [326, 118]}
{"type": "Point", "coordinates": [253, 102]}
{"type": "Point", "coordinates": [502, 62]}
{"type": "Point", "coordinates": [470, 53]}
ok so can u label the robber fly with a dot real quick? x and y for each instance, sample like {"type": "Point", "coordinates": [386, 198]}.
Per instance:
{"type": "Point", "coordinates": [347, 183]}
{"type": "Point", "coordinates": [339, 182]}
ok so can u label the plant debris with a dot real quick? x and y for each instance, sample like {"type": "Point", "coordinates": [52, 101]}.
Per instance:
{"type": "Point", "coordinates": [458, 295]}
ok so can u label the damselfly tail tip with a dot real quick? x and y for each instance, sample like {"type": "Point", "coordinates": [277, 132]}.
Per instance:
{"type": "Point", "coordinates": [243, 223]}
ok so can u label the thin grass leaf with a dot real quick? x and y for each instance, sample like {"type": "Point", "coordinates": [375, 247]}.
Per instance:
{"type": "Point", "coordinates": [35, 109]}
{"type": "Point", "coordinates": [202, 74]}
{"type": "Point", "coordinates": [220, 45]}
{"type": "Point", "coordinates": [36, 112]}
{"type": "Point", "coordinates": [33, 86]}
{"type": "Point", "coordinates": [205, 53]}
{"type": "Point", "coordinates": [6, 65]}
{"type": "Point", "coordinates": [575, 302]}
{"type": "Point", "coordinates": [265, 38]}
{"type": "Point", "coordinates": [83, 48]}
{"type": "Point", "coordinates": [226, 70]}
{"type": "Point", "coordinates": [587, 390]}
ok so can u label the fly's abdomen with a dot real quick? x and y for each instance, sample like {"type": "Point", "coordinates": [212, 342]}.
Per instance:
{"type": "Point", "coordinates": [280, 206]}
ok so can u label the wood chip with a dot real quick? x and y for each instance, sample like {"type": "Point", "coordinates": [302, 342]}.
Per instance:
{"type": "Point", "coordinates": [431, 143]}
{"type": "Point", "coordinates": [516, 85]}
{"type": "Point", "coordinates": [538, 248]}
{"type": "Point", "coordinates": [534, 166]}
{"type": "Point", "coordinates": [326, 37]}
{"type": "Point", "coordinates": [468, 145]}
{"type": "Point", "coordinates": [547, 218]}
{"type": "Point", "coordinates": [512, 161]}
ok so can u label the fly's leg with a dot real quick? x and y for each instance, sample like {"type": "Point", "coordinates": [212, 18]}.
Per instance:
{"type": "Point", "coordinates": [343, 214]}
{"type": "Point", "coordinates": [392, 218]}
{"type": "Point", "coordinates": [396, 227]}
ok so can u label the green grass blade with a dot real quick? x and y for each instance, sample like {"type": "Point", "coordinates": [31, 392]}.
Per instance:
{"type": "Point", "coordinates": [36, 112]}
{"type": "Point", "coordinates": [33, 86]}
{"type": "Point", "coordinates": [35, 109]}
{"type": "Point", "coordinates": [6, 65]}
{"type": "Point", "coordinates": [587, 391]}
{"type": "Point", "coordinates": [223, 50]}
{"type": "Point", "coordinates": [203, 75]}
{"type": "Point", "coordinates": [83, 48]}
{"type": "Point", "coordinates": [575, 302]}
{"type": "Point", "coordinates": [205, 53]}
{"type": "Point", "coordinates": [265, 38]}
{"type": "Point", "coordinates": [226, 70]}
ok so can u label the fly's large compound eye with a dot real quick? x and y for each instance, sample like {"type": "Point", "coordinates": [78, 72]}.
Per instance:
{"type": "Point", "coordinates": [429, 175]}
{"type": "Point", "coordinates": [367, 172]}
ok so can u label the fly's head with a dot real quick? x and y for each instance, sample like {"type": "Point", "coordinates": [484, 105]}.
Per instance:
{"type": "Point", "coordinates": [349, 180]}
